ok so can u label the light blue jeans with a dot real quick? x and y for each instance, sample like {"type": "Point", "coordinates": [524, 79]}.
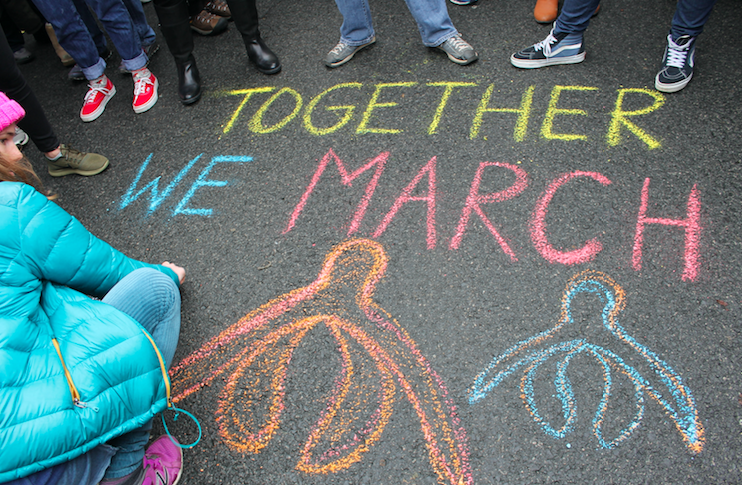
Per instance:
{"type": "Point", "coordinates": [74, 36]}
{"type": "Point", "coordinates": [432, 19]}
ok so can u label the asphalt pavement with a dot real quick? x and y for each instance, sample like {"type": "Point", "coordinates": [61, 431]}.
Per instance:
{"type": "Point", "coordinates": [407, 271]}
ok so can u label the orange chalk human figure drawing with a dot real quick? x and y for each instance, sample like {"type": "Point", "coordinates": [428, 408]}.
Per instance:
{"type": "Point", "coordinates": [378, 363]}
{"type": "Point", "coordinates": [663, 384]}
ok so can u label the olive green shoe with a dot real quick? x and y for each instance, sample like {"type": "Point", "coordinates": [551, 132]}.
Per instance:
{"type": "Point", "coordinates": [74, 161]}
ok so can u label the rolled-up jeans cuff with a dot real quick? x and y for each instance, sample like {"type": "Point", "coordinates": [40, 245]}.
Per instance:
{"type": "Point", "coordinates": [443, 39]}
{"type": "Point", "coordinates": [137, 63]}
{"type": "Point", "coordinates": [356, 43]}
{"type": "Point", "coordinates": [95, 71]}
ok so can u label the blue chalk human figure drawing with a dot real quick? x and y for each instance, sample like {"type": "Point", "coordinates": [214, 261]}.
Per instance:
{"type": "Point", "coordinates": [528, 355]}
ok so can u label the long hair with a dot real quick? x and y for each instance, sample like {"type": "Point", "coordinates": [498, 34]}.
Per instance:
{"type": "Point", "coordinates": [22, 171]}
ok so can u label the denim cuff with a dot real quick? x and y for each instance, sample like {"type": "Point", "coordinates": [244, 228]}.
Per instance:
{"type": "Point", "coordinates": [95, 71]}
{"type": "Point", "coordinates": [442, 39]}
{"type": "Point", "coordinates": [137, 63]}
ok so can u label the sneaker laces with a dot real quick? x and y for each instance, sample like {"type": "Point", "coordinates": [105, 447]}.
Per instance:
{"type": "Point", "coordinates": [546, 44]}
{"type": "Point", "coordinates": [338, 48]}
{"type": "Point", "coordinates": [458, 43]}
{"type": "Point", "coordinates": [154, 462]}
{"type": "Point", "coordinates": [95, 88]}
{"type": "Point", "coordinates": [71, 156]}
{"type": "Point", "coordinates": [140, 84]}
{"type": "Point", "coordinates": [677, 53]}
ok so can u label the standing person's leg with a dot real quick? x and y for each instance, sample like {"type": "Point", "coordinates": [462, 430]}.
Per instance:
{"type": "Point", "coordinates": [564, 44]}
{"type": "Point", "coordinates": [679, 58]}
{"type": "Point", "coordinates": [356, 31]}
{"type": "Point", "coordinates": [61, 159]}
{"type": "Point", "coordinates": [437, 30]}
{"type": "Point", "coordinates": [15, 86]}
{"type": "Point", "coordinates": [73, 35]}
{"type": "Point", "coordinates": [89, 20]}
{"type": "Point", "coordinates": [147, 35]}
{"type": "Point", "coordinates": [245, 16]}
{"type": "Point", "coordinates": [152, 299]}
{"type": "Point", "coordinates": [75, 38]}
{"type": "Point", "coordinates": [575, 16]}
{"type": "Point", "coordinates": [433, 21]}
{"type": "Point", "coordinates": [175, 27]}
{"type": "Point", "coordinates": [690, 17]}
{"type": "Point", "coordinates": [117, 22]}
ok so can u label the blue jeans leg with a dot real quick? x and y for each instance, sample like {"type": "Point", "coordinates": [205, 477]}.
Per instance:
{"type": "Point", "coordinates": [89, 20]}
{"type": "Point", "coordinates": [690, 17]}
{"type": "Point", "coordinates": [357, 28]}
{"type": "Point", "coordinates": [73, 35]}
{"type": "Point", "coordinates": [116, 20]}
{"type": "Point", "coordinates": [152, 299]}
{"type": "Point", "coordinates": [147, 35]}
{"type": "Point", "coordinates": [575, 16]}
{"type": "Point", "coordinates": [433, 21]}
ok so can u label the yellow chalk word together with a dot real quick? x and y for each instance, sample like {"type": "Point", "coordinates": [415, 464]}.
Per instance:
{"type": "Point", "coordinates": [387, 107]}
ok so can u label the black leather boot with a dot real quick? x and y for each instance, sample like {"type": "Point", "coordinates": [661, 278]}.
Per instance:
{"type": "Point", "coordinates": [189, 81]}
{"type": "Point", "coordinates": [245, 16]}
{"type": "Point", "coordinates": [263, 58]}
{"type": "Point", "coordinates": [175, 27]}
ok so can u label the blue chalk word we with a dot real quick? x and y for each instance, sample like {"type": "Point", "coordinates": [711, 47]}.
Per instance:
{"type": "Point", "coordinates": [156, 197]}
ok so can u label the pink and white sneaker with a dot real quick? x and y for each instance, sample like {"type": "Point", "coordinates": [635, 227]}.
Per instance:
{"type": "Point", "coordinates": [163, 462]}
{"type": "Point", "coordinates": [100, 91]}
{"type": "Point", "coordinates": [145, 90]}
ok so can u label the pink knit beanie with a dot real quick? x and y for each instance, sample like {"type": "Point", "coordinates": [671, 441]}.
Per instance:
{"type": "Point", "coordinates": [10, 111]}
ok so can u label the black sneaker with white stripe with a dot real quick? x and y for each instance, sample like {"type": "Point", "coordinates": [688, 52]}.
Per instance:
{"type": "Point", "coordinates": [678, 61]}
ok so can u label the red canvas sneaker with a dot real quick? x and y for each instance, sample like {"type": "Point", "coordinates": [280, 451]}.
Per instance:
{"type": "Point", "coordinates": [99, 93]}
{"type": "Point", "coordinates": [145, 90]}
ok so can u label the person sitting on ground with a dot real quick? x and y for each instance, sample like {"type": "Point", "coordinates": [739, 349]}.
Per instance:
{"type": "Point", "coordinates": [61, 159]}
{"type": "Point", "coordinates": [564, 44]}
{"type": "Point", "coordinates": [432, 19]}
{"type": "Point", "coordinates": [80, 379]}
{"type": "Point", "coordinates": [75, 38]}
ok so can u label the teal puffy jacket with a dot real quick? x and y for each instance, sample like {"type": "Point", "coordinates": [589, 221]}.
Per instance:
{"type": "Point", "coordinates": [74, 372]}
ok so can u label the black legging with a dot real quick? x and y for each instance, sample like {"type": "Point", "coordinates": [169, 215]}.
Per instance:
{"type": "Point", "coordinates": [15, 86]}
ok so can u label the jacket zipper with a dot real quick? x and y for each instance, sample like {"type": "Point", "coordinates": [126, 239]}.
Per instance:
{"type": "Point", "coordinates": [76, 394]}
{"type": "Point", "coordinates": [73, 390]}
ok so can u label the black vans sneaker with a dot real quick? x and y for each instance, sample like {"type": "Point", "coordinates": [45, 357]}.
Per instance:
{"type": "Point", "coordinates": [678, 62]}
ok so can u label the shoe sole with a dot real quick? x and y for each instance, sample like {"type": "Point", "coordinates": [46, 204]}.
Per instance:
{"type": "Point", "coordinates": [553, 61]}
{"type": "Point", "coordinates": [69, 171]}
{"type": "Point", "coordinates": [99, 111]}
{"type": "Point", "coordinates": [461, 62]}
{"type": "Point", "coordinates": [152, 101]}
{"type": "Point", "coordinates": [671, 88]}
{"type": "Point", "coordinates": [343, 61]}
{"type": "Point", "coordinates": [269, 71]}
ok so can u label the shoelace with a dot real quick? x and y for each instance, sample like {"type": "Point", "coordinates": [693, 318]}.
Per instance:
{"type": "Point", "coordinates": [676, 54]}
{"type": "Point", "coordinates": [156, 465]}
{"type": "Point", "coordinates": [458, 43]}
{"type": "Point", "coordinates": [73, 157]}
{"type": "Point", "coordinates": [546, 44]}
{"type": "Point", "coordinates": [93, 89]}
{"type": "Point", "coordinates": [140, 85]}
{"type": "Point", "coordinates": [338, 48]}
